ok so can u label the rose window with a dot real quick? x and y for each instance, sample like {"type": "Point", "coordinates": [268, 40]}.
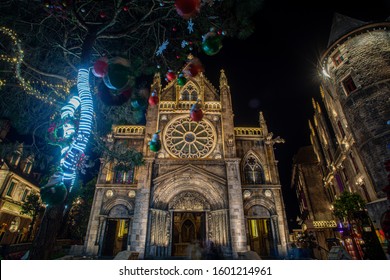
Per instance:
{"type": "Point", "coordinates": [187, 139]}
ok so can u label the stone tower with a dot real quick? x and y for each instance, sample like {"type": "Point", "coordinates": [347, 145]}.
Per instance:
{"type": "Point", "coordinates": [355, 86]}
{"type": "Point", "coordinates": [210, 182]}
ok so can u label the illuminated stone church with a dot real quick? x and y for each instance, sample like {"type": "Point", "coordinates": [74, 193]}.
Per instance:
{"type": "Point", "coordinates": [210, 182]}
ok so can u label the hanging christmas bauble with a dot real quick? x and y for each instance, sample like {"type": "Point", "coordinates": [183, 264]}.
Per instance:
{"type": "Point", "coordinates": [193, 68]}
{"type": "Point", "coordinates": [139, 117]}
{"type": "Point", "coordinates": [100, 67]}
{"type": "Point", "coordinates": [111, 97]}
{"type": "Point", "coordinates": [170, 76]}
{"type": "Point", "coordinates": [138, 103]}
{"type": "Point", "coordinates": [118, 76]}
{"type": "Point", "coordinates": [181, 80]}
{"type": "Point", "coordinates": [212, 43]}
{"type": "Point", "coordinates": [155, 143]}
{"type": "Point", "coordinates": [155, 146]}
{"type": "Point", "coordinates": [153, 99]}
{"type": "Point", "coordinates": [196, 115]}
{"type": "Point", "coordinates": [102, 15]}
{"type": "Point", "coordinates": [187, 8]}
{"type": "Point", "coordinates": [54, 195]}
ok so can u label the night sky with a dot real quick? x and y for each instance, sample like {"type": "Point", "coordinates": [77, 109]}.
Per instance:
{"type": "Point", "coordinates": [274, 71]}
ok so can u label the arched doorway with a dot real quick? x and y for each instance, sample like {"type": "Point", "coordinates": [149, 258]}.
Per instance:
{"type": "Point", "coordinates": [117, 229]}
{"type": "Point", "coordinates": [189, 222]}
{"type": "Point", "coordinates": [188, 228]}
{"type": "Point", "coordinates": [261, 232]}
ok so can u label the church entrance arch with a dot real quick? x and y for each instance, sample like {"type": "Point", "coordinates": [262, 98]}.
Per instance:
{"type": "Point", "coordinates": [116, 231]}
{"type": "Point", "coordinates": [261, 231]}
{"type": "Point", "coordinates": [189, 210]}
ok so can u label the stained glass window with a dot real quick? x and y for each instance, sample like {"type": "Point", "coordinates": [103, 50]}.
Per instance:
{"type": "Point", "coordinates": [253, 172]}
{"type": "Point", "coordinates": [187, 139]}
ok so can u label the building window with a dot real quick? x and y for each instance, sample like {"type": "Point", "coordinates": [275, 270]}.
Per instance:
{"type": "Point", "coordinates": [189, 93]}
{"type": "Point", "coordinates": [345, 174]}
{"type": "Point", "coordinates": [253, 173]}
{"type": "Point", "coordinates": [27, 167]}
{"type": "Point", "coordinates": [354, 163]}
{"type": "Point", "coordinates": [349, 85]}
{"type": "Point", "coordinates": [24, 196]}
{"type": "Point", "coordinates": [11, 188]}
{"type": "Point", "coordinates": [338, 58]}
{"type": "Point", "coordinates": [124, 177]}
{"type": "Point", "coordinates": [15, 158]}
{"type": "Point", "coordinates": [365, 192]}
{"type": "Point", "coordinates": [341, 129]}
{"type": "Point", "coordinates": [339, 182]}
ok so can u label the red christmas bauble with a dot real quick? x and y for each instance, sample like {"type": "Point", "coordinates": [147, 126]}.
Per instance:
{"type": "Point", "coordinates": [187, 8]}
{"type": "Point", "coordinates": [100, 68]}
{"type": "Point", "coordinates": [194, 69]}
{"type": "Point", "coordinates": [102, 14]}
{"type": "Point", "coordinates": [171, 76]}
{"type": "Point", "coordinates": [153, 100]}
{"type": "Point", "coordinates": [196, 115]}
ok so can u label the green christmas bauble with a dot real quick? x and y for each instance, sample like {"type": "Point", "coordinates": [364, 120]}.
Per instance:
{"type": "Point", "coordinates": [119, 76]}
{"type": "Point", "coordinates": [212, 44]}
{"type": "Point", "coordinates": [54, 195]}
{"type": "Point", "coordinates": [155, 146]}
{"type": "Point", "coordinates": [181, 81]}
{"type": "Point", "coordinates": [138, 103]}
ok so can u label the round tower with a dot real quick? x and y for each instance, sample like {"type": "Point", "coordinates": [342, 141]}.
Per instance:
{"type": "Point", "coordinates": [355, 78]}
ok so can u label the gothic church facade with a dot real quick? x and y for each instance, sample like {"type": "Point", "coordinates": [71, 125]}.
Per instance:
{"type": "Point", "coordinates": [209, 182]}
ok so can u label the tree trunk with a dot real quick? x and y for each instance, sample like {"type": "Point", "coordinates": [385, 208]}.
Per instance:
{"type": "Point", "coordinates": [30, 230]}
{"type": "Point", "coordinates": [43, 245]}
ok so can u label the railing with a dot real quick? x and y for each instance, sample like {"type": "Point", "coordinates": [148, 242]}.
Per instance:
{"type": "Point", "coordinates": [122, 130]}
{"type": "Point", "coordinates": [186, 105]}
{"type": "Point", "coordinates": [248, 131]}
{"type": "Point", "coordinates": [325, 224]}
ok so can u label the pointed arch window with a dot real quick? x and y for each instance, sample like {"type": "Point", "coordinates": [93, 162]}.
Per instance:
{"type": "Point", "coordinates": [253, 172]}
{"type": "Point", "coordinates": [189, 93]}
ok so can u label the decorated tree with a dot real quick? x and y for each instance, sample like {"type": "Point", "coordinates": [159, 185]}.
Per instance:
{"type": "Point", "coordinates": [32, 207]}
{"type": "Point", "coordinates": [351, 210]}
{"type": "Point", "coordinates": [75, 67]}
{"type": "Point", "coordinates": [77, 219]}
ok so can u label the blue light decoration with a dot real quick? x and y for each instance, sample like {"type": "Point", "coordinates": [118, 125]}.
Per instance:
{"type": "Point", "coordinates": [75, 151]}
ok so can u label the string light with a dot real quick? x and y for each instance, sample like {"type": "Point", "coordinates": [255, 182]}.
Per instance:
{"type": "Point", "coordinates": [17, 60]}
{"type": "Point", "coordinates": [77, 148]}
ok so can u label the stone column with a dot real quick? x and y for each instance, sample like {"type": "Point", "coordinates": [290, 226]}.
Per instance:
{"type": "Point", "coordinates": [91, 244]}
{"type": "Point", "coordinates": [141, 209]}
{"type": "Point", "coordinates": [236, 209]}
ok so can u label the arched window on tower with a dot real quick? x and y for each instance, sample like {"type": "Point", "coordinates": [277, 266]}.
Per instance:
{"type": "Point", "coordinates": [124, 176]}
{"type": "Point", "coordinates": [189, 93]}
{"type": "Point", "coordinates": [253, 172]}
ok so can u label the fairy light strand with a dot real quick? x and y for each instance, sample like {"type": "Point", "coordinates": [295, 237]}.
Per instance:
{"type": "Point", "coordinates": [17, 60]}
{"type": "Point", "coordinates": [77, 148]}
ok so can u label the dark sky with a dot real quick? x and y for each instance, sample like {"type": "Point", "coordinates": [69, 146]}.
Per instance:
{"type": "Point", "coordinates": [274, 70]}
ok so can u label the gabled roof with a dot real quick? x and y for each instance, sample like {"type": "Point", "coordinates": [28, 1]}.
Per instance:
{"type": "Point", "coordinates": [190, 169]}
{"type": "Point", "coordinates": [342, 25]}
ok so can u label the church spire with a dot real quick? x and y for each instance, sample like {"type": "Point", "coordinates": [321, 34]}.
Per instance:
{"type": "Point", "coordinates": [223, 80]}
{"type": "Point", "coordinates": [263, 124]}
